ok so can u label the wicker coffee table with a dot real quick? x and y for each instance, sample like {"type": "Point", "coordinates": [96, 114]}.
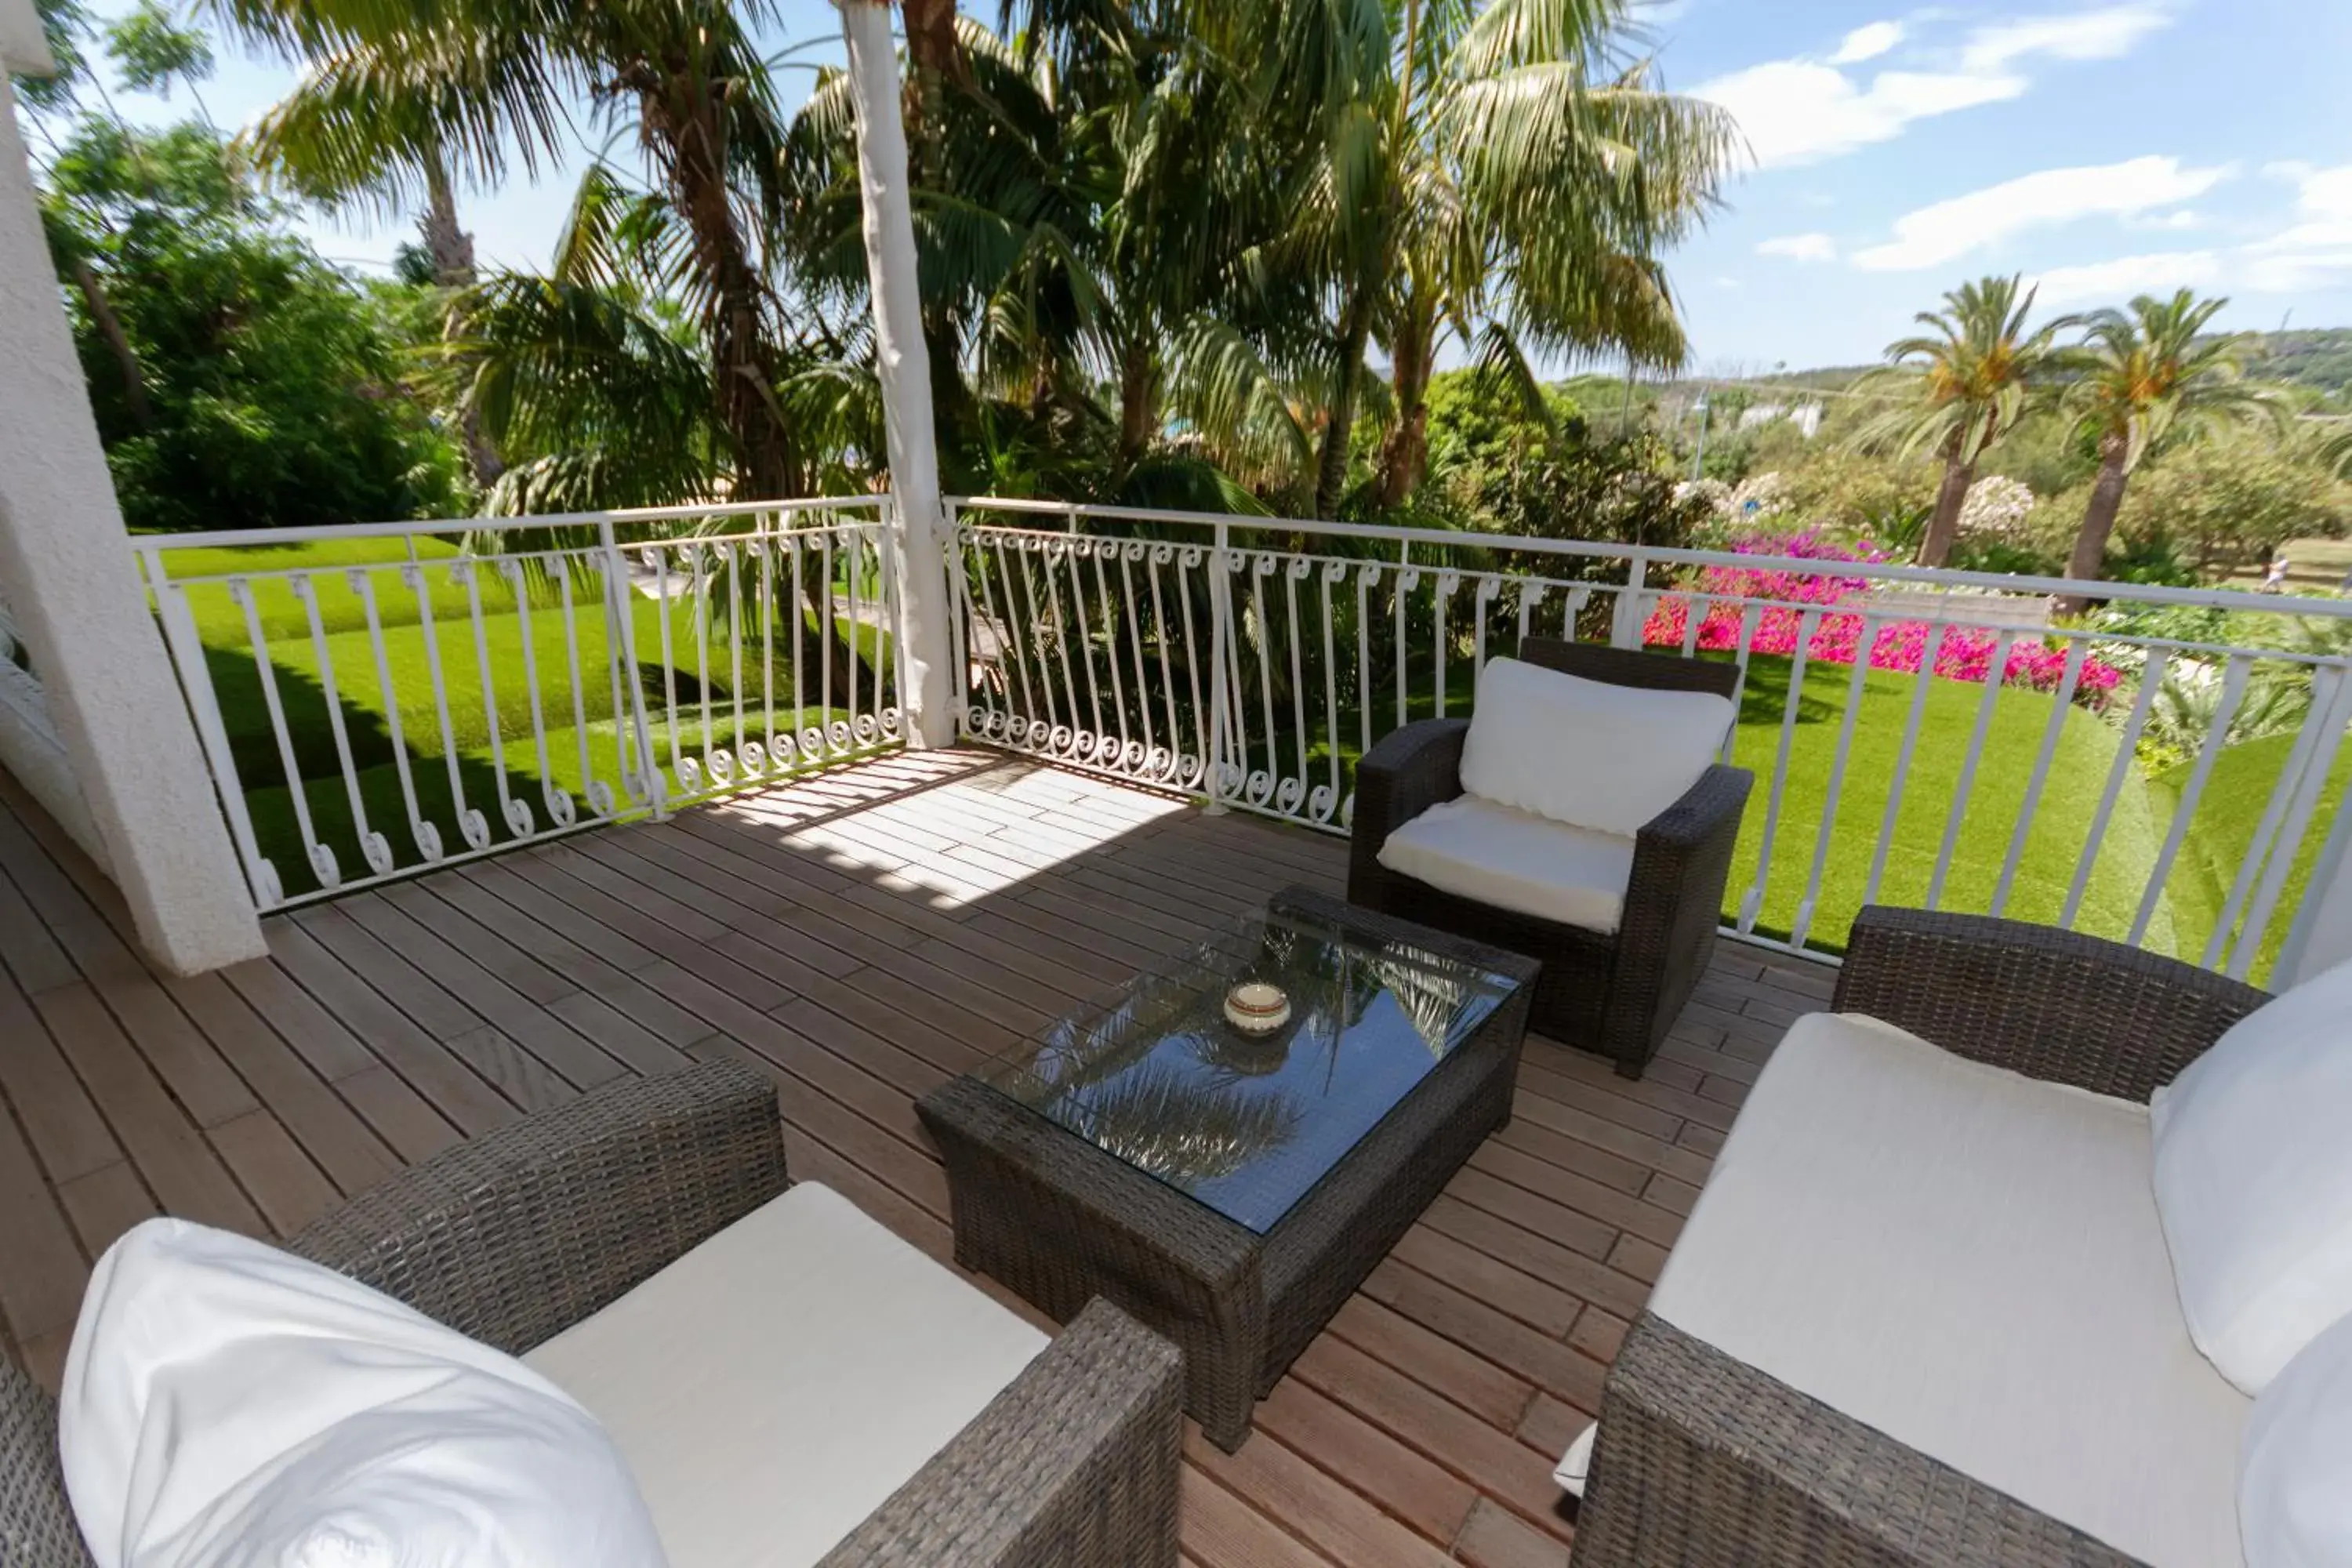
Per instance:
{"type": "Point", "coordinates": [1231, 1189]}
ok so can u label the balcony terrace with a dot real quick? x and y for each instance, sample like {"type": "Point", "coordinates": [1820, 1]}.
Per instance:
{"type": "Point", "coordinates": [859, 936]}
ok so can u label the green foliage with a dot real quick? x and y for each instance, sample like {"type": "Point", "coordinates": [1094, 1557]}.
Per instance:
{"type": "Point", "coordinates": [1859, 494]}
{"type": "Point", "coordinates": [1576, 487]}
{"type": "Point", "coordinates": [152, 50]}
{"type": "Point", "coordinates": [1477, 422]}
{"type": "Point", "coordinates": [2232, 500]}
{"type": "Point", "coordinates": [251, 385]}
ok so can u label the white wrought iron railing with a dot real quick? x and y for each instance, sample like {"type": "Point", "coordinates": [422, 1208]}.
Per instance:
{"type": "Point", "coordinates": [377, 698]}
{"type": "Point", "coordinates": [1919, 736]}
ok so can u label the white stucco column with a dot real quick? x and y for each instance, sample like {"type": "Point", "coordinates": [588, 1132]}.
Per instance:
{"type": "Point", "coordinates": [903, 365]}
{"type": "Point", "coordinates": [119, 767]}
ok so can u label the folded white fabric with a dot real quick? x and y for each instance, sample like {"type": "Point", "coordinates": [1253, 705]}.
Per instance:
{"type": "Point", "coordinates": [2294, 1467]}
{"type": "Point", "coordinates": [2253, 1180]}
{"type": "Point", "coordinates": [225, 1403]}
{"type": "Point", "coordinates": [1576, 1464]}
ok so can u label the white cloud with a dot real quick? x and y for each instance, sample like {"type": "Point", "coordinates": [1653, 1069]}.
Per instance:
{"type": "Point", "coordinates": [2313, 252]}
{"type": "Point", "coordinates": [1937, 234]}
{"type": "Point", "coordinates": [1800, 246]}
{"type": "Point", "coordinates": [1867, 43]}
{"type": "Point", "coordinates": [2324, 193]}
{"type": "Point", "coordinates": [2103, 35]}
{"type": "Point", "coordinates": [2112, 282]}
{"type": "Point", "coordinates": [1804, 109]}
{"type": "Point", "coordinates": [1795, 111]}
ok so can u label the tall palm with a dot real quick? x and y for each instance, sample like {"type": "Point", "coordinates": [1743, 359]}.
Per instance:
{"type": "Point", "coordinates": [2141, 376]}
{"type": "Point", "coordinates": [1962, 386]}
{"type": "Point", "coordinates": [1501, 162]}
{"type": "Point", "coordinates": [1545, 171]}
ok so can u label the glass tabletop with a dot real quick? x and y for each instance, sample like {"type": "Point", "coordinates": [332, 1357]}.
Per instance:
{"type": "Point", "coordinates": [1247, 1121]}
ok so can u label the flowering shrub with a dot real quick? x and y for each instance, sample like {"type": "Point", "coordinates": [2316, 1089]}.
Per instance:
{"type": "Point", "coordinates": [1755, 499]}
{"type": "Point", "coordinates": [1780, 598]}
{"type": "Point", "coordinates": [1996, 505]}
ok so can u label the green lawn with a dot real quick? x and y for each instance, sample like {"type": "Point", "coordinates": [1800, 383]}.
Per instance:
{"type": "Point", "coordinates": [2221, 831]}
{"type": "Point", "coordinates": [2079, 768]}
{"type": "Point", "coordinates": [489, 688]}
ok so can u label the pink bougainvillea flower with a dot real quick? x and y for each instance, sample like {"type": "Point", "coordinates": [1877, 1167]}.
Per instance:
{"type": "Point", "coordinates": [1778, 599]}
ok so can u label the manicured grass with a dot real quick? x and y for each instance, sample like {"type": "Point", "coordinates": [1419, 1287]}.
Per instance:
{"type": "Point", "coordinates": [488, 690]}
{"type": "Point", "coordinates": [2221, 831]}
{"type": "Point", "coordinates": [2019, 725]}
{"type": "Point", "coordinates": [220, 621]}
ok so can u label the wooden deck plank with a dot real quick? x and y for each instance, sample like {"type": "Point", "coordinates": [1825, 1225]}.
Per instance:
{"type": "Point", "coordinates": [66, 1131]}
{"type": "Point", "coordinates": [40, 1288]}
{"type": "Point", "coordinates": [166, 1146]}
{"type": "Point", "coordinates": [859, 936]}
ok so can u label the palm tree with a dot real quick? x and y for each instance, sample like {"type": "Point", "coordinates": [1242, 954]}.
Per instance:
{"type": "Point", "coordinates": [2140, 377]}
{"type": "Point", "coordinates": [1501, 164]}
{"type": "Point", "coordinates": [1961, 387]}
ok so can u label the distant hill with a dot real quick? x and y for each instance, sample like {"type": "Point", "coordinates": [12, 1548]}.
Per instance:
{"type": "Point", "coordinates": [2318, 358]}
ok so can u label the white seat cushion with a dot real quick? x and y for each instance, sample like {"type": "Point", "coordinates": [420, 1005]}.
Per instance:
{"type": "Point", "coordinates": [1515, 860]}
{"type": "Point", "coordinates": [1970, 1261]}
{"type": "Point", "coordinates": [775, 1385]}
{"type": "Point", "coordinates": [1609, 758]}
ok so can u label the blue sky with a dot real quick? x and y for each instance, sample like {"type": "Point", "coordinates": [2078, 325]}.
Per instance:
{"type": "Point", "coordinates": [2104, 149]}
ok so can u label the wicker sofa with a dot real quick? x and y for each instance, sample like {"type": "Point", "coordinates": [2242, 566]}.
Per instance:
{"type": "Point", "coordinates": [525, 1232]}
{"type": "Point", "coordinates": [1616, 992]}
{"type": "Point", "coordinates": [2031, 1297]}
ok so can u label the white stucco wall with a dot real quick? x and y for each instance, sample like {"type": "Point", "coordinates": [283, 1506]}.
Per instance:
{"type": "Point", "coordinates": [131, 782]}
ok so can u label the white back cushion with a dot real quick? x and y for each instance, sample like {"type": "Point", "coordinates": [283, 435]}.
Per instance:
{"type": "Point", "coordinates": [2253, 1180]}
{"type": "Point", "coordinates": [1584, 752]}
{"type": "Point", "coordinates": [2295, 1477]}
{"type": "Point", "coordinates": [225, 1403]}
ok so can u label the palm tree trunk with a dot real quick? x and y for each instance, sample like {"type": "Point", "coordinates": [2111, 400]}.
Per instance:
{"type": "Point", "coordinates": [2088, 562]}
{"type": "Point", "coordinates": [1944, 523]}
{"type": "Point", "coordinates": [1405, 453]}
{"type": "Point", "coordinates": [936, 58]}
{"type": "Point", "coordinates": [743, 361]}
{"type": "Point", "coordinates": [452, 250]}
{"type": "Point", "coordinates": [1138, 403]}
{"type": "Point", "coordinates": [1331, 468]}
{"type": "Point", "coordinates": [117, 343]}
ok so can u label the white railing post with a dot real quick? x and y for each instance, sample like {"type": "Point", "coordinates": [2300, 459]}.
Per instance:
{"type": "Point", "coordinates": [1221, 616]}
{"type": "Point", "coordinates": [622, 630]}
{"type": "Point", "coordinates": [1628, 616]}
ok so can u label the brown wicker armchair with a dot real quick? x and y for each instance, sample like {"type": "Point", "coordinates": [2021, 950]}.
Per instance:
{"type": "Point", "coordinates": [520, 1233]}
{"type": "Point", "coordinates": [1705, 1462]}
{"type": "Point", "coordinates": [1616, 993]}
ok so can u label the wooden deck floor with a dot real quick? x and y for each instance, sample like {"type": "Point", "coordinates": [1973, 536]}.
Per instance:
{"type": "Point", "coordinates": [859, 936]}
